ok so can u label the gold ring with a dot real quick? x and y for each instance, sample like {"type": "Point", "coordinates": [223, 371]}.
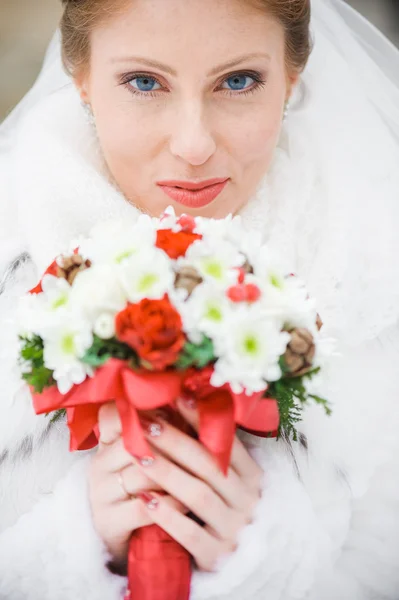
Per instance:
{"type": "Point", "coordinates": [122, 485]}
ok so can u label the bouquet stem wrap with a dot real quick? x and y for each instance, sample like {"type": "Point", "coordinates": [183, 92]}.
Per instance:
{"type": "Point", "coordinates": [159, 568]}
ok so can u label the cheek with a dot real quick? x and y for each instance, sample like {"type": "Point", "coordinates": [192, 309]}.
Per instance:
{"type": "Point", "coordinates": [255, 139]}
{"type": "Point", "coordinates": [123, 135]}
{"type": "Point", "coordinates": [122, 124]}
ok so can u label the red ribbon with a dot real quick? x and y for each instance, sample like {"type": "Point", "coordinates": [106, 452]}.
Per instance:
{"type": "Point", "coordinates": [116, 381]}
{"type": "Point", "coordinates": [220, 410]}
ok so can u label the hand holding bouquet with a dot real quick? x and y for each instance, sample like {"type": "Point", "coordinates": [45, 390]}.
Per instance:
{"type": "Point", "coordinates": [143, 313]}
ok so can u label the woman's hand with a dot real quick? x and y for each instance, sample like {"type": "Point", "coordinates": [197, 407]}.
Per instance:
{"type": "Point", "coordinates": [114, 483]}
{"type": "Point", "coordinates": [186, 471]}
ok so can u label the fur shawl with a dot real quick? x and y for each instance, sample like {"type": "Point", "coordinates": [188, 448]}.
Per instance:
{"type": "Point", "coordinates": [327, 525]}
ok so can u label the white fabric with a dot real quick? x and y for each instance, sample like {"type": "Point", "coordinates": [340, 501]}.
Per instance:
{"type": "Point", "coordinates": [329, 206]}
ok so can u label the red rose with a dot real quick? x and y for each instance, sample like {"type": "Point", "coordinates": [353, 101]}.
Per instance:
{"type": "Point", "coordinates": [52, 270]}
{"type": "Point", "coordinates": [175, 244]}
{"type": "Point", "coordinates": [153, 328]}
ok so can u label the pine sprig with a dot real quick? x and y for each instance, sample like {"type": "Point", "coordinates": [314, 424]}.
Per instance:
{"type": "Point", "coordinates": [291, 396]}
{"type": "Point", "coordinates": [58, 415]}
{"type": "Point", "coordinates": [35, 373]}
{"type": "Point", "coordinates": [196, 355]}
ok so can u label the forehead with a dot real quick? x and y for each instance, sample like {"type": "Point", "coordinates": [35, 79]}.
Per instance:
{"type": "Point", "coordinates": [189, 32]}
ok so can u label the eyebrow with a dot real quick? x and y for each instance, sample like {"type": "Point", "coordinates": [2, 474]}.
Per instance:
{"type": "Point", "coordinates": [215, 71]}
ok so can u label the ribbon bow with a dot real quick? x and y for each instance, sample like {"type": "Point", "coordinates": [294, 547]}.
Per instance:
{"type": "Point", "coordinates": [220, 410]}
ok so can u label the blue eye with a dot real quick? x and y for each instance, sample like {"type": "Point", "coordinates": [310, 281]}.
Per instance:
{"type": "Point", "coordinates": [238, 83]}
{"type": "Point", "coordinates": [144, 84]}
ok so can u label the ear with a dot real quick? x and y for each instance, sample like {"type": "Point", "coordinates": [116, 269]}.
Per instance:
{"type": "Point", "coordinates": [82, 85]}
{"type": "Point", "coordinates": [292, 80]}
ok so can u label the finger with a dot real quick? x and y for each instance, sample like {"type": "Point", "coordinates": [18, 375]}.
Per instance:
{"type": "Point", "coordinates": [132, 480]}
{"type": "Point", "coordinates": [189, 412]}
{"type": "Point", "coordinates": [196, 495]}
{"type": "Point", "coordinates": [241, 460]}
{"type": "Point", "coordinates": [109, 423]}
{"type": "Point", "coordinates": [122, 487]}
{"type": "Point", "coordinates": [193, 457]}
{"type": "Point", "coordinates": [114, 457]}
{"type": "Point", "coordinates": [205, 548]}
{"type": "Point", "coordinates": [132, 514]}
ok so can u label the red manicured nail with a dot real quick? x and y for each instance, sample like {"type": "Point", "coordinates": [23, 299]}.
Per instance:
{"type": "Point", "coordinates": [145, 461]}
{"type": "Point", "coordinates": [189, 403]}
{"type": "Point", "coordinates": [152, 427]}
{"type": "Point", "coordinates": [149, 500]}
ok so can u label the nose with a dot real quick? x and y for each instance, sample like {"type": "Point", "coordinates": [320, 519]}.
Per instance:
{"type": "Point", "coordinates": [191, 140]}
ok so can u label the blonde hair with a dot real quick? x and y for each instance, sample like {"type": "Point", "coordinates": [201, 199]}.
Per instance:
{"type": "Point", "coordinates": [80, 17]}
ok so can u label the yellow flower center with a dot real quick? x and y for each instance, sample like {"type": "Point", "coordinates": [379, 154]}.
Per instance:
{"type": "Point", "coordinates": [147, 282]}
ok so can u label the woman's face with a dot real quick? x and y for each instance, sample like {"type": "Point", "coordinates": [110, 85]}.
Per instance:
{"type": "Point", "coordinates": [186, 92]}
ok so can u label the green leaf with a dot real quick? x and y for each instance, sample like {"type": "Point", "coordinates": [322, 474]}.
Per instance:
{"type": "Point", "coordinates": [102, 350]}
{"type": "Point", "coordinates": [196, 355]}
{"type": "Point", "coordinates": [35, 372]}
{"type": "Point", "coordinates": [39, 379]}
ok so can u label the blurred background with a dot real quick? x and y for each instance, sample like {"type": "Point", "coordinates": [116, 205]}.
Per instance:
{"type": "Point", "coordinates": [26, 27]}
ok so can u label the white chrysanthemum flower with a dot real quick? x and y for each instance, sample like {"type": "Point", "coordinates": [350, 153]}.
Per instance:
{"type": "Point", "coordinates": [39, 312]}
{"type": "Point", "coordinates": [168, 220]}
{"type": "Point", "coordinates": [115, 241]}
{"type": "Point", "coordinates": [286, 295]}
{"type": "Point", "coordinates": [104, 326]}
{"type": "Point", "coordinates": [249, 350]}
{"type": "Point", "coordinates": [216, 261]}
{"type": "Point", "coordinates": [205, 312]}
{"type": "Point", "coordinates": [224, 372]}
{"type": "Point", "coordinates": [230, 228]}
{"type": "Point", "coordinates": [56, 292]}
{"type": "Point", "coordinates": [64, 345]}
{"type": "Point", "coordinates": [98, 290]}
{"type": "Point", "coordinates": [150, 276]}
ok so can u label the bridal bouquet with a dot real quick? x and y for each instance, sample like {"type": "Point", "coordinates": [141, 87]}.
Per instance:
{"type": "Point", "coordinates": [146, 312]}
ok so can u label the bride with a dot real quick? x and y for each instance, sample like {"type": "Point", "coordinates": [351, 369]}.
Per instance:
{"type": "Point", "coordinates": [286, 112]}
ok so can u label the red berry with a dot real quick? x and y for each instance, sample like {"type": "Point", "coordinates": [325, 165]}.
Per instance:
{"type": "Point", "coordinates": [237, 293]}
{"type": "Point", "coordinates": [187, 223]}
{"type": "Point", "coordinates": [253, 292]}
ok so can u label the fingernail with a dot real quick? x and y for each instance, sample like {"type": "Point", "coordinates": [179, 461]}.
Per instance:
{"type": "Point", "coordinates": [149, 500]}
{"type": "Point", "coordinates": [152, 427]}
{"type": "Point", "coordinates": [145, 461]}
{"type": "Point", "coordinates": [189, 403]}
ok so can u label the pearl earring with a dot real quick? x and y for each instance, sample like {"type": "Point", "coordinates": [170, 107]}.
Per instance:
{"type": "Point", "coordinates": [286, 110]}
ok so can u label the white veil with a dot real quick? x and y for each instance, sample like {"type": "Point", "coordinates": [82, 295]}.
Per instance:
{"type": "Point", "coordinates": [345, 120]}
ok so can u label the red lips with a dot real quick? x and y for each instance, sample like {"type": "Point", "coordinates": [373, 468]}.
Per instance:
{"type": "Point", "coordinates": [193, 194]}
